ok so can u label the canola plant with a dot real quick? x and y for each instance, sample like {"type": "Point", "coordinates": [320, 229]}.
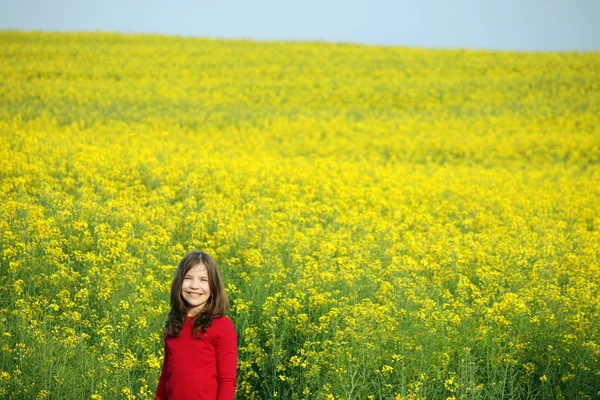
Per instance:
{"type": "Point", "coordinates": [391, 222]}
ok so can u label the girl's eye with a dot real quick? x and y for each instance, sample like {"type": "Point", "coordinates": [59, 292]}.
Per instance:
{"type": "Point", "coordinates": [187, 277]}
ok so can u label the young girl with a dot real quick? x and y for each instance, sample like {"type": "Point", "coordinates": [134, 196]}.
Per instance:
{"type": "Point", "coordinates": [200, 359]}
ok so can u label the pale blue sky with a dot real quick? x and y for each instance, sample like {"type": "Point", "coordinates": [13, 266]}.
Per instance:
{"type": "Point", "coordinates": [508, 24]}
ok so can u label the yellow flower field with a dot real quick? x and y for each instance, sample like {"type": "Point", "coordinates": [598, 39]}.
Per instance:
{"type": "Point", "coordinates": [391, 223]}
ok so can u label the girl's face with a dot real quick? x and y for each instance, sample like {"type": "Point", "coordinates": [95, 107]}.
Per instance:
{"type": "Point", "coordinates": [195, 289]}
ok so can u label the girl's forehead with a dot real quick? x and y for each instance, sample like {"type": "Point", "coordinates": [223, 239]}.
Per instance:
{"type": "Point", "coordinates": [198, 269]}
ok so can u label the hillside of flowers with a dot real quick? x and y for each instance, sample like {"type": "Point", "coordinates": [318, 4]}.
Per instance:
{"type": "Point", "coordinates": [390, 222]}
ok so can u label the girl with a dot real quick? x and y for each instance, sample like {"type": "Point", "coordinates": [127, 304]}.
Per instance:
{"type": "Point", "coordinates": [200, 358]}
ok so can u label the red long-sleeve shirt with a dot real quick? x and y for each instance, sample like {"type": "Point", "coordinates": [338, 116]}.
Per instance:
{"type": "Point", "coordinates": [200, 368]}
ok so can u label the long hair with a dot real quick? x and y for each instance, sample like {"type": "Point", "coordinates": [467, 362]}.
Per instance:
{"type": "Point", "coordinates": [215, 306]}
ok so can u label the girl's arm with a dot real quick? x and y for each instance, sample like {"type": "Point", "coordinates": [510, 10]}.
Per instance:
{"type": "Point", "coordinates": [161, 392]}
{"type": "Point", "coordinates": [226, 350]}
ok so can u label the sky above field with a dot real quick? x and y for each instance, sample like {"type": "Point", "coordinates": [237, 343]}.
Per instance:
{"type": "Point", "coordinates": [507, 25]}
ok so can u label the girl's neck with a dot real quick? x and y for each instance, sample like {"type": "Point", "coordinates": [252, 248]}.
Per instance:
{"type": "Point", "coordinates": [194, 312]}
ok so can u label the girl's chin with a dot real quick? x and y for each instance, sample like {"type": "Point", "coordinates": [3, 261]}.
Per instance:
{"type": "Point", "coordinates": [192, 301]}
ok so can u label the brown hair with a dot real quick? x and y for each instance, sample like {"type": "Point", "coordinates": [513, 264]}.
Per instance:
{"type": "Point", "coordinates": [215, 306]}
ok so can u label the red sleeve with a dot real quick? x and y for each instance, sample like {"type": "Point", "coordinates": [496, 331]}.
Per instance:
{"type": "Point", "coordinates": [226, 350]}
{"type": "Point", "coordinates": [161, 393]}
